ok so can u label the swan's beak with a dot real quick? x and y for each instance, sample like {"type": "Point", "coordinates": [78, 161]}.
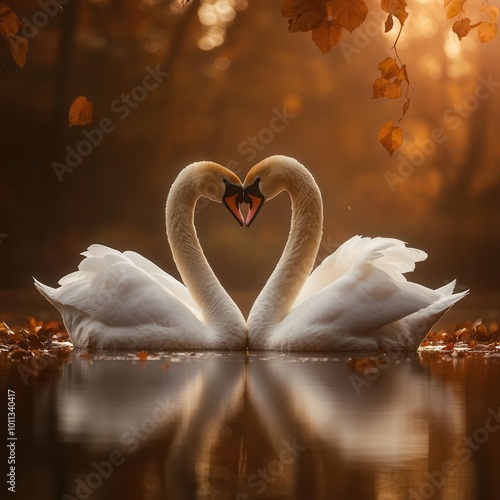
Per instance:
{"type": "Point", "coordinates": [232, 199]}
{"type": "Point", "coordinates": [256, 199]}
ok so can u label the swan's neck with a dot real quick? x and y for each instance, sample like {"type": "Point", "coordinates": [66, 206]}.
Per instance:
{"type": "Point", "coordinates": [219, 311]}
{"type": "Point", "coordinates": [282, 288]}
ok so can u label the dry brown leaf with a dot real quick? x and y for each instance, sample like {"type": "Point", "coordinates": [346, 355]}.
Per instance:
{"type": "Point", "coordinates": [348, 13]}
{"type": "Point", "coordinates": [487, 31]}
{"type": "Point", "coordinates": [380, 87]}
{"type": "Point", "coordinates": [453, 7]}
{"type": "Point", "coordinates": [304, 15]}
{"type": "Point", "coordinates": [390, 136]}
{"type": "Point", "coordinates": [397, 8]}
{"type": "Point", "coordinates": [406, 105]}
{"type": "Point", "coordinates": [389, 68]}
{"type": "Point", "coordinates": [389, 23]}
{"type": "Point", "coordinates": [462, 27]}
{"type": "Point", "coordinates": [80, 112]}
{"type": "Point", "coordinates": [327, 35]}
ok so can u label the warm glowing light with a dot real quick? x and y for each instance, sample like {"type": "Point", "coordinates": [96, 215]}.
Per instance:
{"type": "Point", "coordinates": [215, 16]}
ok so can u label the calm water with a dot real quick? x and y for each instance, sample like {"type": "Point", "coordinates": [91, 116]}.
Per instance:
{"type": "Point", "coordinates": [219, 425]}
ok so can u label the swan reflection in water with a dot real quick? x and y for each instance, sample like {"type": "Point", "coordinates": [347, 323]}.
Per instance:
{"type": "Point", "coordinates": [262, 425]}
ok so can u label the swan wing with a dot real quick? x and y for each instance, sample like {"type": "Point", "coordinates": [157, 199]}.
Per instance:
{"type": "Point", "coordinates": [113, 301]}
{"type": "Point", "coordinates": [392, 256]}
{"type": "Point", "coordinates": [367, 294]}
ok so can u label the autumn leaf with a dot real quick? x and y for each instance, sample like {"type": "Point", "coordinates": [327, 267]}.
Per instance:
{"type": "Point", "coordinates": [304, 15]}
{"type": "Point", "coordinates": [389, 68]}
{"type": "Point", "coordinates": [397, 8]}
{"type": "Point", "coordinates": [486, 32]}
{"type": "Point", "coordinates": [390, 136]}
{"type": "Point", "coordinates": [348, 13]}
{"type": "Point", "coordinates": [9, 28]}
{"type": "Point", "coordinates": [327, 35]}
{"type": "Point", "coordinates": [389, 23]}
{"type": "Point", "coordinates": [406, 105]}
{"type": "Point", "coordinates": [462, 27]}
{"type": "Point", "coordinates": [9, 22]}
{"type": "Point", "coordinates": [453, 7]}
{"type": "Point", "coordinates": [80, 112]}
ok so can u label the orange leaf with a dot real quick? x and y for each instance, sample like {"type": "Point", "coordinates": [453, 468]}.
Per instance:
{"type": "Point", "coordinates": [486, 32]}
{"type": "Point", "coordinates": [389, 68]}
{"type": "Point", "coordinates": [461, 28]}
{"type": "Point", "coordinates": [9, 27]}
{"type": "Point", "coordinates": [390, 136]}
{"type": "Point", "coordinates": [348, 13]}
{"type": "Point", "coordinates": [397, 8]}
{"type": "Point", "coordinates": [9, 22]}
{"type": "Point", "coordinates": [453, 7]}
{"type": "Point", "coordinates": [303, 15]}
{"type": "Point", "coordinates": [80, 112]}
{"type": "Point", "coordinates": [380, 87]}
{"type": "Point", "coordinates": [142, 355]}
{"type": "Point", "coordinates": [327, 35]}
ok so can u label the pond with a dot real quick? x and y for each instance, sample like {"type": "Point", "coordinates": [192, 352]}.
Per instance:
{"type": "Point", "coordinates": [256, 425]}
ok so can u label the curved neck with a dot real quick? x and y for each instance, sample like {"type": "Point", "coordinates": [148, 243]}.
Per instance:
{"type": "Point", "coordinates": [279, 294]}
{"type": "Point", "coordinates": [219, 311]}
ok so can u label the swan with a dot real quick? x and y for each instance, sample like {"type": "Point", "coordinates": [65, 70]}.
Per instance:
{"type": "Point", "coordinates": [124, 301]}
{"type": "Point", "coordinates": [356, 299]}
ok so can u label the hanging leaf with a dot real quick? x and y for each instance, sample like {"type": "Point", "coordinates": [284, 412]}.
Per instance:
{"type": "Point", "coordinates": [80, 112]}
{"type": "Point", "coordinates": [453, 7]}
{"type": "Point", "coordinates": [397, 8]}
{"type": "Point", "coordinates": [390, 136]}
{"type": "Point", "coordinates": [389, 68]}
{"type": "Point", "coordinates": [487, 31]}
{"type": "Point", "coordinates": [406, 105]}
{"type": "Point", "coordinates": [9, 22]}
{"type": "Point", "coordinates": [389, 23]}
{"type": "Point", "coordinates": [304, 15]}
{"type": "Point", "coordinates": [327, 35]}
{"type": "Point", "coordinates": [348, 13]}
{"type": "Point", "coordinates": [462, 27]}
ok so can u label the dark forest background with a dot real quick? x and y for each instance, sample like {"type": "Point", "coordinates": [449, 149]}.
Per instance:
{"type": "Point", "coordinates": [232, 66]}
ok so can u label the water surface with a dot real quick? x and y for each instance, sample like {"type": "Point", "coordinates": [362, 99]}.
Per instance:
{"type": "Point", "coordinates": [263, 425]}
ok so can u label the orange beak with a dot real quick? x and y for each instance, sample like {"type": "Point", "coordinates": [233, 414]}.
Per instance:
{"type": "Point", "coordinates": [231, 203]}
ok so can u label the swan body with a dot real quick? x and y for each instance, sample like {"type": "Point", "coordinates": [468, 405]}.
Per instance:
{"type": "Point", "coordinates": [358, 298]}
{"type": "Point", "coordinates": [124, 301]}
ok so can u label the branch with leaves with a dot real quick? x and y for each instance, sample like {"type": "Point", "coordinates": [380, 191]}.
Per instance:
{"type": "Point", "coordinates": [326, 20]}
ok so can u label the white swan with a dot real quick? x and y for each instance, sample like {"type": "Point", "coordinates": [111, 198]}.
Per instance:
{"type": "Point", "coordinates": [356, 299]}
{"type": "Point", "coordinates": [122, 300]}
